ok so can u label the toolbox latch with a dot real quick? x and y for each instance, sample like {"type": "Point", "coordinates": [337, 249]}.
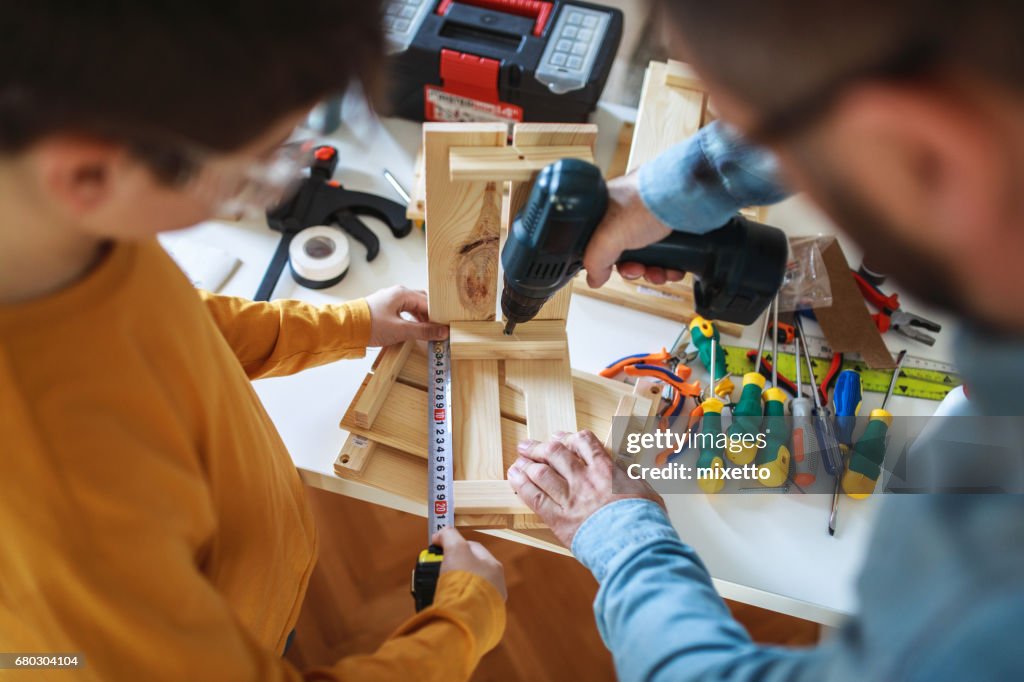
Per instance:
{"type": "Point", "coordinates": [469, 75]}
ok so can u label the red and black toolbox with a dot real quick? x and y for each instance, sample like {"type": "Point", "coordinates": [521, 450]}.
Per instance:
{"type": "Point", "coordinates": [499, 60]}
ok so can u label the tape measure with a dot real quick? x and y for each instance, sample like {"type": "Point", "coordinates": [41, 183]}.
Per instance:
{"type": "Point", "coordinates": [919, 377]}
{"type": "Point", "coordinates": [440, 471]}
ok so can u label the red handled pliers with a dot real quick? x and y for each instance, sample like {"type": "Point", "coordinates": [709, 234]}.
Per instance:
{"type": "Point", "coordinates": [890, 316]}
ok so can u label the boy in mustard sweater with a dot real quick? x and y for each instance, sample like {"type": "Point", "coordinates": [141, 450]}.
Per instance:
{"type": "Point", "coordinates": [151, 517]}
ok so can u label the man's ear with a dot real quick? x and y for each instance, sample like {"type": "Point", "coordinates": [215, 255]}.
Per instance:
{"type": "Point", "coordinates": [77, 172]}
{"type": "Point", "coordinates": [932, 156]}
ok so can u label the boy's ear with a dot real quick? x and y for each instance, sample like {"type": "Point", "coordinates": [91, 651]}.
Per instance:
{"type": "Point", "coordinates": [77, 172]}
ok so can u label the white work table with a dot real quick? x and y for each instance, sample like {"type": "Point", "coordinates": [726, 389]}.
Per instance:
{"type": "Point", "coordinates": [768, 550]}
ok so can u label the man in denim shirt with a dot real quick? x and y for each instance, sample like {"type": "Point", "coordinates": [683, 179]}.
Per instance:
{"type": "Point", "coordinates": [904, 121]}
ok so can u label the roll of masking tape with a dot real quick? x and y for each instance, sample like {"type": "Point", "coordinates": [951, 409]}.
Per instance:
{"type": "Point", "coordinates": [318, 257]}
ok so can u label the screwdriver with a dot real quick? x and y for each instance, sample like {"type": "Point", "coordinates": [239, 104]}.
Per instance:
{"type": "Point", "coordinates": [831, 456]}
{"type": "Point", "coordinates": [710, 458]}
{"type": "Point", "coordinates": [846, 400]}
{"type": "Point", "coordinates": [706, 339]}
{"type": "Point", "coordinates": [865, 462]}
{"type": "Point", "coordinates": [775, 456]}
{"type": "Point", "coordinates": [748, 413]}
{"type": "Point", "coordinates": [805, 449]}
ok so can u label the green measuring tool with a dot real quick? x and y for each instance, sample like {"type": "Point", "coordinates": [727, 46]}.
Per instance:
{"type": "Point", "coordinates": [930, 382]}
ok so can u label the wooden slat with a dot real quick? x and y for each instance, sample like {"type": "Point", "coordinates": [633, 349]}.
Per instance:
{"type": "Point", "coordinates": [667, 115]}
{"type": "Point", "coordinates": [355, 452]}
{"type": "Point", "coordinates": [385, 370]}
{"type": "Point", "coordinates": [517, 163]}
{"type": "Point", "coordinates": [487, 497]}
{"type": "Point", "coordinates": [673, 302]}
{"type": "Point", "coordinates": [536, 340]}
{"type": "Point", "coordinates": [547, 387]}
{"type": "Point", "coordinates": [476, 416]}
{"type": "Point", "coordinates": [463, 221]}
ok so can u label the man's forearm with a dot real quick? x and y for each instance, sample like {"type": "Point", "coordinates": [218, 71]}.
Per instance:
{"type": "Point", "coordinates": [699, 184]}
{"type": "Point", "coordinates": [657, 610]}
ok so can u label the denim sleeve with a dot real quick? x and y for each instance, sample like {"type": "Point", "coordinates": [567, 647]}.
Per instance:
{"type": "Point", "coordinates": [697, 185]}
{"type": "Point", "coordinates": [657, 610]}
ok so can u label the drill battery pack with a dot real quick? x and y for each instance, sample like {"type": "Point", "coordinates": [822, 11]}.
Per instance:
{"type": "Point", "coordinates": [498, 60]}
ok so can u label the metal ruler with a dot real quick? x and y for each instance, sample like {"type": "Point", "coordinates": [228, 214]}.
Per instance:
{"type": "Point", "coordinates": [919, 378]}
{"type": "Point", "coordinates": [440, 455]}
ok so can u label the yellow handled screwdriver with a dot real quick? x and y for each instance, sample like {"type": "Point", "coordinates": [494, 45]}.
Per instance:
{"type": "Point", "coordinates": [866, 457]}
{"type": "Point", "coordinates": [709, 461]}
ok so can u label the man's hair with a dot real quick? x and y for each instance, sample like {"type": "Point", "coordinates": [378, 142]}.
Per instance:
{"type": "Point", "coordinates": [217, 73]}
{"type": "Point", "coordinates": [771, 54]}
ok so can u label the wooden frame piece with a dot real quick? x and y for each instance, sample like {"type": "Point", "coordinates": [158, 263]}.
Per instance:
{"type": "Point", "coordinates": [488, 497]}
{"type": "Point", "coordinates": [516, 164]}
{"type": "Point", "coordinates": [389, 362]}
{"type": "Point", "coordinates": [535, 340]}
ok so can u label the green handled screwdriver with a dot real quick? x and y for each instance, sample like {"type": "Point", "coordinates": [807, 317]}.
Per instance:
{"type": "Point", "coordinates": [866, 458]}
{"type": "Point", "coordinates": [710, 459]}
{"type": "Point", "coordinates": [748, 413]}
{"type": "Point", "coordinates": [774, 457]}
{"type": "Point", "coordinates": [705, 338]}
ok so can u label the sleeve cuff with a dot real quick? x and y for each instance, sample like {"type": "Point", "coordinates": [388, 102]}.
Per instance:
{"type": "Point", "coordinates": [619, 530]}
{"type": "Point", "coordinates": [476, 603]}
{"type": "Point", "coordinates": [356, 317]}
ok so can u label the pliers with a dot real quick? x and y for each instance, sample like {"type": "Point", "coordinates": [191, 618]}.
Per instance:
{"type": "Point", "coordinates": [892, 317]}
{"type": "Point", "coordinates": [659, 358]}
{"type": "Point", "coordinates": [676, 381]}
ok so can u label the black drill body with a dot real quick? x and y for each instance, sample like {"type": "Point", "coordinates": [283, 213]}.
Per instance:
{"type": "Point", "coordinates": [738, 268]}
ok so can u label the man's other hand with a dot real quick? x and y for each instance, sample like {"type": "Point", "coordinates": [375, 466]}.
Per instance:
{"type": "Point", "coordinates": [465, 555]}
{"type": "Point", "coordinates": [389, 324]}
{"type": "Point", "coordinates": [627, 225]}
{"type": "Point", "coordinates": [568, 478]}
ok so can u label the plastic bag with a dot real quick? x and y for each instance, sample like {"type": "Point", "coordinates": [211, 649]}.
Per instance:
{"type": "Point", "coordinates": [806, 283]}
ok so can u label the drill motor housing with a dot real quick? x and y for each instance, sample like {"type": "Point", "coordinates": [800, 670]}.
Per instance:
{"type": "Point", "coordinates": [738, 268]}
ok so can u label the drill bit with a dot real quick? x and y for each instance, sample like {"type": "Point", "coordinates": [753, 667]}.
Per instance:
{"type": "Point", "coordinates": [510, 326]}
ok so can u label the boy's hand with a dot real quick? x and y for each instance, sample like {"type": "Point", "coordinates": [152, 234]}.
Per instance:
{"type": "Point", "coordinates": [389, 327]}
{"type": "Point", "coordinates": [463, 555]}
{"type": "Point", "coordinates": [570, 477]}
{"type": "Point", "coordinates": [627, 225]}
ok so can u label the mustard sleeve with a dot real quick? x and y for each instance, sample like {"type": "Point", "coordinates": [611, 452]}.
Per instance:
{"type": "Point", "coordinates": [283, 337]}
{"type": "Point", "coordinates": [132, 625]}
{"type": "Point", "coordinates": [444, 642]}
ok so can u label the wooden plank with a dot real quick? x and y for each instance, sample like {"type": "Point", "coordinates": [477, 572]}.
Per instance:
{"type": "Point", "coordinates": [667, 115]}
{"type": "Point", "coordinates": [476, 416]}
{"type": "Point", "coordinates": [488, 497]}
{"type": "Point", "coordinates": [516, 163]}
{"type": "Point", "coordinates": [355, 452]}
{"type": "Point", "coordinates": [386, 367]}
{"type": "Point", "coordinates": [673, 302]}
{"type": "Point", "coordinates": [681, 75]}
{"type": "Point", "coordinates": [617, 433]}
{"type": "Point", "coordinates": [415, 210]}
{"type": "Point", "coordinates": [536, 340]}
{"type": "Point", "coordinates": [547, 387]}
{"type": "Point", "coordinates": [620, 159]}
{"type": "Point", "coordinates": [463, 220]}
{"type": "Point", "coordinates": [537, 134]}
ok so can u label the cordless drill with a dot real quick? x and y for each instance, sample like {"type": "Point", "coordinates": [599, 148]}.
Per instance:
{"type": "Point", "coordinates": [737, 268]}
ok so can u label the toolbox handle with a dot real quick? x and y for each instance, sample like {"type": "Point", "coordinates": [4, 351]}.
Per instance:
{"type": "Point", "coordinates": [538, 10]}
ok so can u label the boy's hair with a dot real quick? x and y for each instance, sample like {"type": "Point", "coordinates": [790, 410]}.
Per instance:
{"type": "Point", "coordinates": [216, 73]}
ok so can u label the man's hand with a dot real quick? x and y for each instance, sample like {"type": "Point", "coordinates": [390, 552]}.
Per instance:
{"type": "Point", "coordinates": [627, 225]}
{"type": "Point", "coordinates": [570, 477]}
{"type": "Point", "coordinates": [389, 327]}
{"type": "Point", "coordinates": [463, 555]}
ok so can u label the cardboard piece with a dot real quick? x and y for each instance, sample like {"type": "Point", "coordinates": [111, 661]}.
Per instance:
{"type": "Point", "coordinates": [847, 323]}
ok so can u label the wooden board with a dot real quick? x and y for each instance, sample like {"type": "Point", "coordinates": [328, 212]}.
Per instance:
{"type": "Point", "coordinates": [547, 387]}
{"type": "Point", "coordinates": [535, 340]}
{"type": "Point", "coordinates": [389, 362]}
{"type": "Point", "coordinates": [463, 221]}
{"type": "Point", "coordinates": [667, 115]}
{"type": "Point", "coordinates": [488, 497]}
{"type": "Point", "coordinates": [516, 164]}
{"type": "Point", "coordinates": [671, 301]}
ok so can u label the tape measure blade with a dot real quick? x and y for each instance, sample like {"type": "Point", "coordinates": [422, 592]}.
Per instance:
{"type": "Point", "coordinates": [440, 446]}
